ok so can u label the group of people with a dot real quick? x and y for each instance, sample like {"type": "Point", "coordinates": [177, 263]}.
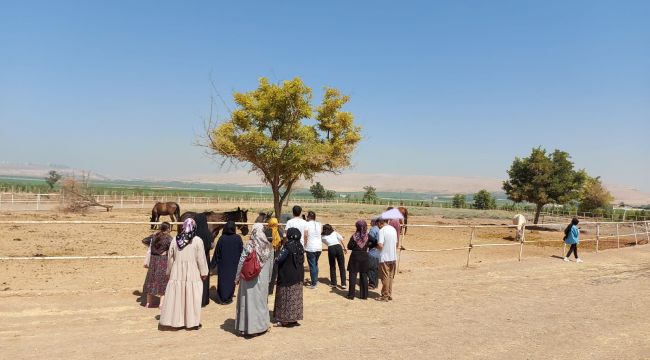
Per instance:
{"type": "Point", "coordinates": [179, 268]}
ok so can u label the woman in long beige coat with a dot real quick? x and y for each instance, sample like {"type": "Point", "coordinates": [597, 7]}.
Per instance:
{"type": "Point", "coordinates": [186, 267]}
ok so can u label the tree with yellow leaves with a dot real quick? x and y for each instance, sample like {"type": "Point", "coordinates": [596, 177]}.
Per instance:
{"type": "Point", "coordinates": [276, 130]}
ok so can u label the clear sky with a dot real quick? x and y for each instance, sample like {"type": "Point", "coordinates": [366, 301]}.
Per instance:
{"type": "Point", "coordinates": [440, 87]}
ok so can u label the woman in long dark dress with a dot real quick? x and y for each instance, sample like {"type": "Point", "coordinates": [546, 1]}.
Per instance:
{"type": "Point", "coordinates": [206, 235]}
{"type": "Point", "coordinates": [358, 262]}
{"type": "Point", "coordinates": [225, 260]}
{"type": "Point", "coordinates": [288, 294]}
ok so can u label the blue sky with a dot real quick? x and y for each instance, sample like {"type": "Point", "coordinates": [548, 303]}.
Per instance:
{"type": "Point", "coordinates": [462, 87]}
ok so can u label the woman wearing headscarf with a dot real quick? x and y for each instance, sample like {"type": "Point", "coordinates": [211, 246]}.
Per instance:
{"type": "Point", "coordinates": [203, 231]}
{"type": "Point", "coordinates": [225, 260]}
{"type": "Point", "coordinates": [186, 268]}
{"type": "Point", "coordinates": [275, 237]}
{"type": "Point", "coordinates": [156, 280]}
{"type": "Point", "coordinates": [358, 262]}
{"type": "Point", "coordinates": [572, 237]}
{"type": "Point", "coordinates": [288, 296]}
{"type": "Point", "coordinates": [252, 298]}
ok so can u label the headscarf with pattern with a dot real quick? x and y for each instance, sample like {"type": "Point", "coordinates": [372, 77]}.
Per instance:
{"type": "Point", "coordinates": [186, 236]}
{"type": "Point", "coordinates": [262, 246]}
{"type": "Point", "coordinates": [361, 235]}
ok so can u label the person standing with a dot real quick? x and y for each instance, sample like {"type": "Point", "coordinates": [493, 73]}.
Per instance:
{"type": "Point", "coordinates": [186, 268]}
{"type": "Point", "coordinates": [358, 262]}
{"type": "Point", "coordinates": [203, 232]}
{"type": "Point", "coordinates": [335, 250]}
{"type": "Point", "coordinates": [387, 244]}
{"type": "Point", "coordinates": [225, 259]}
{"type": "Point", "coordinates": [572, 237]}
{"type": "Point", "coordinates": [299, 223]}
{"type": "Point", "coordinates": [156, 280]}
{"type": "Point", "coordinates": [288, 296]}
{"type": "Point", "coordinates": [252, 298]}
{"type": "Point", "coordinates": [373, 255]}
{"type": "Point", "coordinates": [313, 247]}
{"type": "Point", "coordinates": [272, 233]}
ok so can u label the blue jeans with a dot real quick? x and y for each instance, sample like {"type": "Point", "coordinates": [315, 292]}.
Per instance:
{"type": "Point", "coordinates": [312, 260]}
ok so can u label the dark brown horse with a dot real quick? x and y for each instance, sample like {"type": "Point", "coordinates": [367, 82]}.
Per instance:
{"type": "Point", "coordinates": [263, 217]}
{"type": "Point", "coordinates": [169, 208]}
{"type": "Point", "coordinates": [405, 213]}
{"type": "Point", "coordinates": [239, 216]}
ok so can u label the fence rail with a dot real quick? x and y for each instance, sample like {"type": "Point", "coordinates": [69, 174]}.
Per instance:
{"type": "Point", "coordinates": [639, 229]}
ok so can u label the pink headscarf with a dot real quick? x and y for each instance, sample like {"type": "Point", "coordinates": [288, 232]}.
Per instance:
{"type": "Point", "coordinates": [361, 236]}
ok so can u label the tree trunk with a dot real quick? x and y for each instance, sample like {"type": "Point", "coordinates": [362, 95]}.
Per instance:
{"type": "Point", "coordinates": [537, 211]}
{"type": "Point", "coordinates": [277, 203]}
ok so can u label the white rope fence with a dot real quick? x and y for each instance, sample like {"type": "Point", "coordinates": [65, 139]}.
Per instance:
{"type": "Point", "coordinates": [644, 225]}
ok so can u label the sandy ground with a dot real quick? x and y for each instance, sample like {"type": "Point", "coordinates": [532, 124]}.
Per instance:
{"type": "Point", "coordinates": [540, 308]}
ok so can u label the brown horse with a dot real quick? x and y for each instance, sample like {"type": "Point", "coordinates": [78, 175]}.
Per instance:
{"type": "Point", "coordinates": [169, 208]}
{"type": "Point", "coordinates": [239, 215]}
{"type": "Point", "coordinates": [405, 213]}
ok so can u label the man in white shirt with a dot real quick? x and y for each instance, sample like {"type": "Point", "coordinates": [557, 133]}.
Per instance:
{"type": "Point", "coordinates": [313, 247]}
{"type": "Point", "coordinates": [387, 244]}
{"type": "Point", "coordinates": [298, 223]}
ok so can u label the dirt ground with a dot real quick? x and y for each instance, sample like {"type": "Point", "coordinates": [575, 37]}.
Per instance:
{"type": "Point", "coordinates": [498, 308]}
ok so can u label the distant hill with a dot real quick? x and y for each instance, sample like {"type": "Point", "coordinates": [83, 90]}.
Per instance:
{"type": "Point", "coordinates": [390, 185]}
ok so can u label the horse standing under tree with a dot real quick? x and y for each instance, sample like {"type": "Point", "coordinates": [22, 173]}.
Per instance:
{"type": "Point", "coordinates": [169, 208]}
{"type": "Point", "coordinates": [238, 216]}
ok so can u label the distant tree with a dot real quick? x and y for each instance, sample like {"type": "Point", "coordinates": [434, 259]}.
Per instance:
{"type": "Point", "coordinates": [484, 200]}
{"type": "Point", "coordinates": [544, 179]}
{"type": "Point", "coordinates": [330, 194]}
{"type": "Point", "coordinates": [317, 191]}
{"type": "Point", "coordinates": [52, 178]}
{"type": "Point", "coordinates": [594, 195]}
{"type": "Point", "coordinates": [276, 130]}
{"type": "Point", "coordinates": [370, 194]}
{"type": "Point", "coordinates": [458, 201]}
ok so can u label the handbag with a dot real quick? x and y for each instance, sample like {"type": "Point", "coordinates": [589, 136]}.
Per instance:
{"type": "Point", "coordinates": [251, 267]}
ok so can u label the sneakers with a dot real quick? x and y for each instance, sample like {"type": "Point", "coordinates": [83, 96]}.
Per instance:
{"type": "Point", "coordinates": [311, 286]}
{"type": "Point", "coordinates": [578, 260]}
{"type": "Point", "coordinates": [566, 259]}
{"type": "Point", "coordinates": [344, 287]}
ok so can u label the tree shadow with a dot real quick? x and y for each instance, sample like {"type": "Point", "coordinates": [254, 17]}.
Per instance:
{"type": "Point", "coordinates": [557, 257]}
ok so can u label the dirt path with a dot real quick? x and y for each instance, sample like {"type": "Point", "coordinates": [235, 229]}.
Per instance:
{"type": "Point", "coordinates": [541, 308]}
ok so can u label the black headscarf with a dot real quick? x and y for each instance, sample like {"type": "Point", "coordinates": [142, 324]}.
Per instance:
{"type": "Point", "coordinates": [291, 272]}
{"type": "Point", "coordinates": [203, 231]}
{"type": "Point", "coordinates": [230, 228]}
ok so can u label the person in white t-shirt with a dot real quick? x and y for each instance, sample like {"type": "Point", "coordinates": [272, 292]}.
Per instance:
{"type": "Point", "coordinates": [387, 243]}
{"type": "Point", "coordinates": [313, 247]}
{"type": "Point", "coordinates": [335, 251]}
{"type": "Point", "coordinates": [299, 223]}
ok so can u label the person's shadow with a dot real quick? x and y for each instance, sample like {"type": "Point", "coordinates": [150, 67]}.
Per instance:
{"type": "Point", "coordinates": [141, 297]}
{"type": "Point", "coordinates": [229, 326]}
{"type": "Point", "coordinates": [344, 292]}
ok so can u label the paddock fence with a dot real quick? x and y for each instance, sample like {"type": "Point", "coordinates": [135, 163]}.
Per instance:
{"type": "Point", "coordinates": [600, 236]}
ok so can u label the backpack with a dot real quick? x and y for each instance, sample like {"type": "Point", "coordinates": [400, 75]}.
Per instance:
{"type": "Point", "coordinates": [251, 267]}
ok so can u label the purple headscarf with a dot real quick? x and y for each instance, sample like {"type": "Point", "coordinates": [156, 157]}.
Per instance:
{"type": "Point", "coordinates": [186, 236]}
{"type": "Point", "coordinates": [361, 236]}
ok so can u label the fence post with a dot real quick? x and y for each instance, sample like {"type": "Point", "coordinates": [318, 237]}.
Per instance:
{"type": "Point", "coordinates": [0, 200]}
{"type": "Point", "coordinates": [618, 238]}
{"type": "Point", "coordinates": [647, 234]}
{"type": "Point", "coordinates": [121, 201]}
{"type": "Point", "coordinates": [636, 242]}
{"type": "Point", "coordinates": [469, 249]}
{"type": "Point", "coordinates": [597, 236]}
{"type": "Point", "coordinates": [142, 205]}
{"type": "Point", "coordinates": [38, 201]}
{"type": "Point", "coordinates": [523, 236]}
